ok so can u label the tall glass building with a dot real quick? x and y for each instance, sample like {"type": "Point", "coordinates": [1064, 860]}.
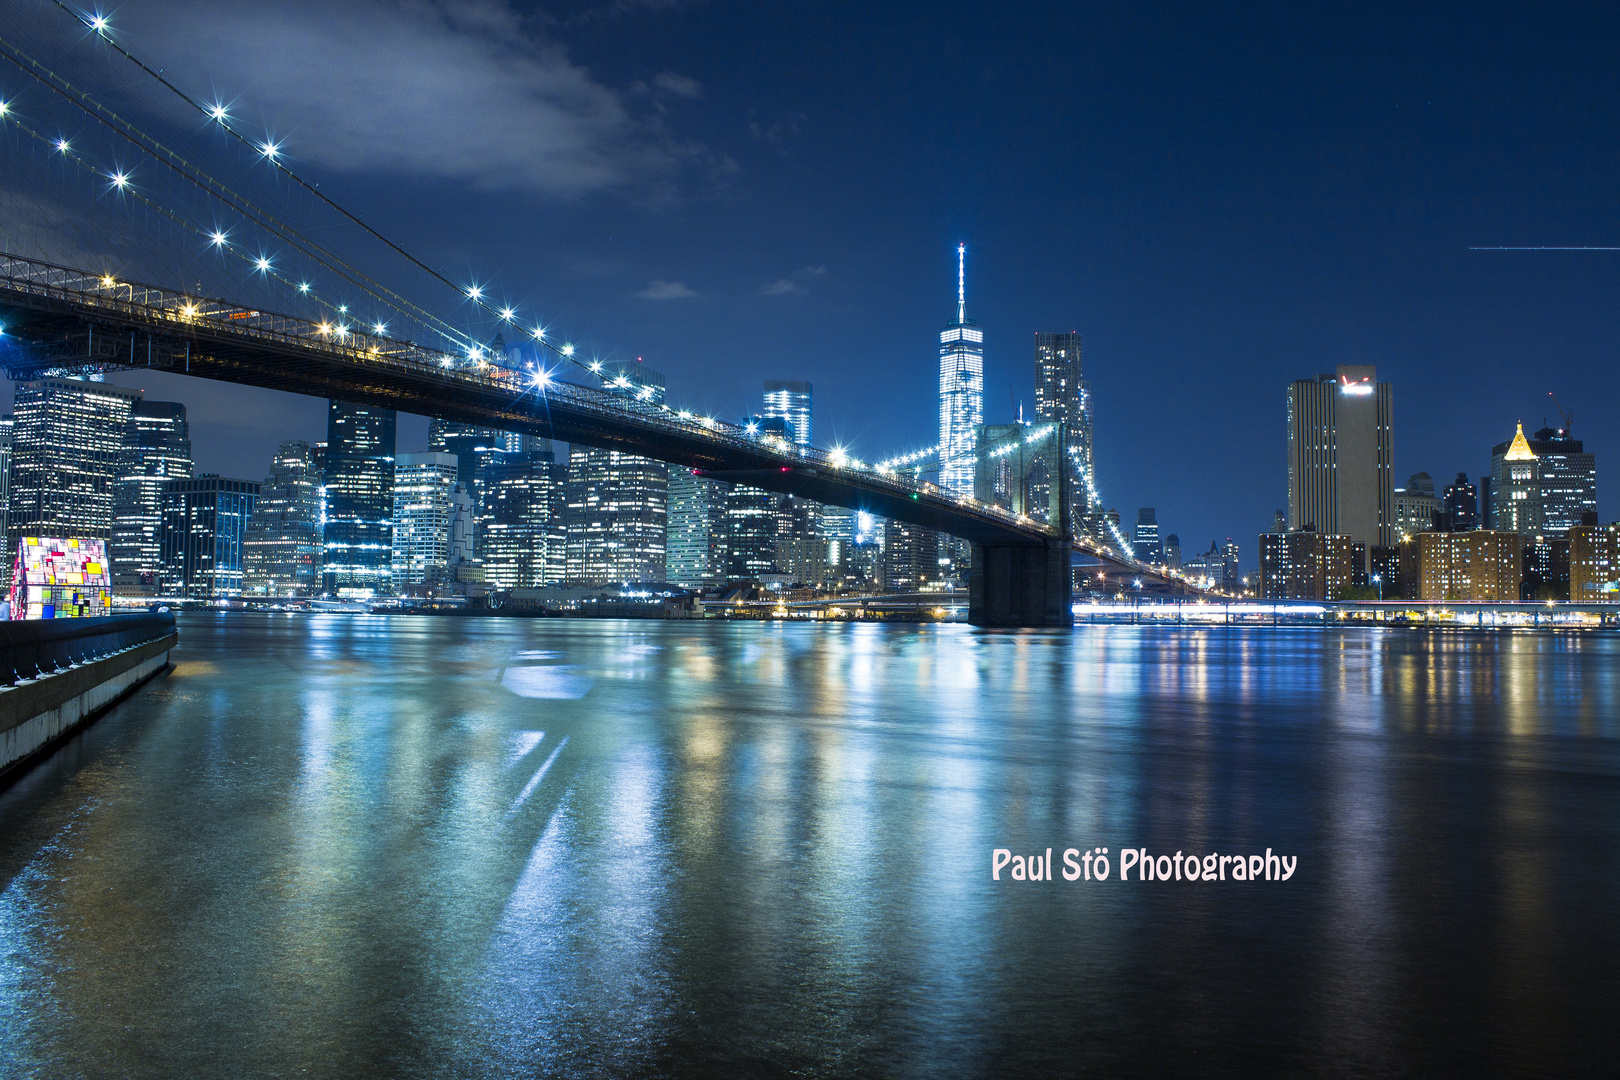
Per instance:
{"type": "Point", "coordinates": [791, 402]}
{"type": "Point", "coordinates": [1062, 396]}
{"type": "Point", "coordinates": [157, 449]}
{"type": "Point", "coordinates": [423, 485]}
{"type": "Point", "coordinates": [524, 539]}
{"type": "Point", "coordinates": [358, 531]}
{"type": "Point", "coordinates": [67, 440]}
{"type": "Point", "coordinates": [204, 524]}
{"type": "Point", "coordinates": [281, 549]}
{"type": "Point", "coordinates": [961, 389]}
{"type": "Point", "coordinates": [696, 538]}
{"type": "Point", "coordinates": [617, 521]}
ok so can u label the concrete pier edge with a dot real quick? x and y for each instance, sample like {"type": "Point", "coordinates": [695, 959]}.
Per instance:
{"type": "Point", "coordinates": [38, 715]}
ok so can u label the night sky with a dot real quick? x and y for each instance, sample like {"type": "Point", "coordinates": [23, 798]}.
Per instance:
{"type": "Point", "coordinates": [1219, 201]}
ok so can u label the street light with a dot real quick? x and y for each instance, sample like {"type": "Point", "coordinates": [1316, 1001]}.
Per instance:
{"type": "Point", "coordinates": [1378, 580]}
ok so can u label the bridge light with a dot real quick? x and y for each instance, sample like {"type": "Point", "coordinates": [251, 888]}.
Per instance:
{"type": "Point", "coordinates": [217, 238]}
{"type": "Point", "coordinates": [4, 105]}
{"type": "Point", "coordinates": [63, 146]}
{"type": "Point", "coordinates": [98, 23]}
{"type": "Point", "coordinates": [475, 292]}
{"type": "Point", "coordinates": [568, 350]}
{"type": "Point", "coordinates": [539, 333]}
{"type": "Point", "coordinates": [107, 282]}
{"type": "Point", "coordinates": [542, 378]}
{"type": "Point", "coordinates": [324, 328]}
{"type": "Point", "coordinates": [343, 309]}
{"type": "Point", "coordinates": [189, 310]}
{"type": "Point", "coordinates": [261, 264]}
{"type": "Point", "coordinates": [303, 286]}
{"type": "Point", "coordinates": [379, 329]}
{"type": "Point", "coordinates": [118, 179]}
{"type": "Point", "coordinates": [507, 313]}
{"type": "Point", "coordinates": [217, 112]}
{"type": "Point", "coordinates": [684, 415]}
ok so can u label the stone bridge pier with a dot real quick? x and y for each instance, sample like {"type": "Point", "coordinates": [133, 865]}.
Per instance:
{"type": "Point", "coordinates": [1021, 585]}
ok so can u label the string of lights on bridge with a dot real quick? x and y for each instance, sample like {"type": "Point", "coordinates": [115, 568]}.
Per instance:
{"type": "Point", "coordinates": [343, 324]}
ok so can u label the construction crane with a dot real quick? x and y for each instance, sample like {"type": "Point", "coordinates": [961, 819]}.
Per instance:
{"type": "Point", "coordinates": [1563, 413]}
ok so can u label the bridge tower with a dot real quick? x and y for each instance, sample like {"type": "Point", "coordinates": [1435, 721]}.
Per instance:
{"type": "Point", "coordinates": [1020, 467]}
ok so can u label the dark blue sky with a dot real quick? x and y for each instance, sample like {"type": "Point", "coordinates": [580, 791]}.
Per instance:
{"type": "Point", "coordinates": [1220, 202]}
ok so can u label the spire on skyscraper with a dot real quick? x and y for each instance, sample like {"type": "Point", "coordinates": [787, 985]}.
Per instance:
{"type": "Point", "coordinates": [961, 283]}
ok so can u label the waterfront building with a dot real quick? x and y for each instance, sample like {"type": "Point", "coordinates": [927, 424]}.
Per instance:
{"type": "Point", "coordinates": [837, 533]}
{"type": "Point", "coordinates": [1339, 455]}
{"type": "Point", "coordinates": [1483, 565]}
{"type": "Point", "coordinates": [358, 534]}
{"type": "Point", "coordinates": [618, 503]}
{"type": "Point", "coordinates": [1063, 396]}
{"type": "Point", "coordinates": [1546, 569]}
{"type": "Point", "coordinates": [790, 401]}
{"type": "Point", "coordinates": [749, 532]}
{"type": "Point", "coordinates": [156, 449]}
{"type": "Point", "coordinates": [800, 550]}
{"type": "Point", "coordinates": [1515, 503]}
{"type": "Point", "coordinates": [961, 390]}
{"type": "Point", "coordinates": [281, 547]}
{"type": "Point", "coordinates": [204, 525]}
{"type": "Point", "coordinates": [1566, 480]}
{"type": "Point", "coordinates": [910, 557]}
{"type": "Point", "coordinates": [696, 546]}
{"type": "Point", "coordinates": [1594, 563]}
{"type": "Point", "coordinates": [67, 440]}
{"type": "Point", "coordinates": [1461, 505]}
{"type": "Point", "coordinates": [1305, 565]}
{"type": "Point", "coordinates": [1145, 538]}
{"type": "Point", "coordinates": [524, 539]}
{"type": "Point", "coordinates": [1416, 505]}
{"type": "Point", "coordinates": [423, 485]}
{"type": "Point", "coordinates": [1172, 551]}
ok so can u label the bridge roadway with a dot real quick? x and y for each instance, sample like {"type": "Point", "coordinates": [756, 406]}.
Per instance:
{"type": "Point", "coordinates": [58, 320]}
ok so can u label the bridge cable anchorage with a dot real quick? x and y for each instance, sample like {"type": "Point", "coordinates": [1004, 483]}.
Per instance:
{"type": "Point", "coordinates": [258, 215]}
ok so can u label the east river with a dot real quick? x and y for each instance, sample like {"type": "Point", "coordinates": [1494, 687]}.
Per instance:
{"type": "Point", "coordinates": [337, 846]}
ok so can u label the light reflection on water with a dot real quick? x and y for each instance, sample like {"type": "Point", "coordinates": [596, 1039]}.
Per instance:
{"type": "Point", "coordinates": [343, 846]}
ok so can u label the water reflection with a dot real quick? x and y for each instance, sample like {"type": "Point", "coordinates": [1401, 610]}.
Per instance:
{"type": "Point", "coordinates": [339, 846]}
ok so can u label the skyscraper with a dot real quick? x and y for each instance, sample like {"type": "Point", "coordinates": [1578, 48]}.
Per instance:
{"type": "Point", "coordinates": [67, 439]}
{"type": "Point", "coordinates": [6, 423]}
{"type": "Point", "coordinates": [157, 449]}
{"type": "Point", "coordinates": [1461, 504]}
{"type": "Point", "coordinates": [204, 523]}
{"type": "Point", "coordinates": [791, 402]}
{"type": "Point", "coordinates": [358, 537]}
{"type": "Point", "coordinates": [1339, 455]}
{"type": "Point", "coordinates": [1062, 396]}
{"type": "Point", "coordinates": [910, 557]}
{"type": "Point", "coordinates": [1566, 480]}
{"type": "Point", "coordinates": [617, 518]}
{"type": "Point", "coordinates": [749, 520]}
{"type": "Point", "coordinates": [961, 389]}
{"type": "Point", "coordinates": [697, 549]}
{"type": "Point", "coordinates": [1145, 542]}
{"type": "Point", "coordinates": [281, 547]}
{"type": "Point", "coordinates": [423, 485]}
{"type": "Point", "coordinates": [1515, 487]}
{"type": "Point", "coordinates": [524, 542]}
{"type": "Point", "coordinates": [1415, 506]}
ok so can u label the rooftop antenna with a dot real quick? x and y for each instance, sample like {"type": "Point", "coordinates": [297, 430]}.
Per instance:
{"type": "Point", "coordinates": [961, 283]}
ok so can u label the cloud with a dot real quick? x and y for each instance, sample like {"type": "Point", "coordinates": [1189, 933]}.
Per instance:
{"type": "Point", "coordinates": [793, 284]}
{"type": "Point", "coordinates": [452, 90]}
{"type": "Point", "coordinates": [665, 290]}
{"type": "Point", "coordinates": [776, 133]}
{"type": "Point", "coordinates": [679, 85]}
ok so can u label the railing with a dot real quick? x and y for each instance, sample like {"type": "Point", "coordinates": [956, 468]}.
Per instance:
{"type": "Point", "coordinates": [38, 647]}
